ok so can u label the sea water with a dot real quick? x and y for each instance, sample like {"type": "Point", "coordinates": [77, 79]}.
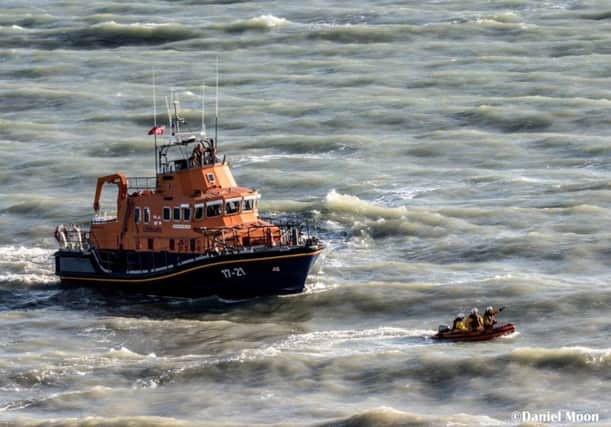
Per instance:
{"type": "Point", "coordinates": [453, 154]}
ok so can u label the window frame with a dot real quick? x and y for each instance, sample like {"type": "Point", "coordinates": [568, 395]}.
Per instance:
{"type": "Point", "coordinates": [169, 211]}
{"type": "Point", "coordinates": [233, 200]}
{"type": "Point", "coordinates": [201, 208]}
{"type": "Point", "coordinates": [249, 199]}
{"type": "Point", "coordinates": [185, 209]}
{"type": "Point", "coordinates": [174, 210]}
{"type": "Point", "coordinates": [214, 203]}
{"type": "Point", "coordinates": [137, 215]}
{"type": "Point", "coordinates": [146, 215]}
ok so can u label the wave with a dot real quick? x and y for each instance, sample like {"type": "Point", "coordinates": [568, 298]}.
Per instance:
{"type": "Point", "coordinates": [344, 342]}
{"type": "Point", "coordinates": [505, 119]}
{"type": "Point", "coordinates": [111, 34]}
{"type": "Point", "coordinates": [390, 417]}
{"type": "Point", "coordinates": [347, 33]}
{"type": "Point", "coordinates": [127, 354]}
{"type": "Point", "coordinates": [260, 23]}
{"type": "Point", "coordinates": [569, 360]}
{"type": "Point", "coordinates": [20, 265]}
{"type": "Point", "coordinates": [361, 34]}
{"type": "Point", "coordinates": [37, 208]}
{"type": "Point", "coordinates": [95, 421]}
{"type": "Point", "coordinates": [573, 358]}
{"type": "Point", "coordinates": [381, 416]}
{"type": "Point", "coordinates": [40, 72]}
{"type": "Point", "coordinates": [344, 203]}
{"type": "Point", "coordinates": [28, 131]}
{"type": "Point", "coordinates": [36, 98]}
{"type": "Point", "coordinates": [121, 148]}
{"type": "Point", "coordinates": [339, 204]}
{"type": "Point", "coordinates": [503, 22]}
{"type": "Point", "coordinates": [298, 144]}
{"type": "Point", "coordinates": [363, 218]}
{"type": "Point", "coordinates": [11, 28]}
{"type": "Point", "coordinates": [597, 16]}
{"type": "Point", "coordinates": [29, 21]}
{"type": "Point", "coordinates": [56, 399]}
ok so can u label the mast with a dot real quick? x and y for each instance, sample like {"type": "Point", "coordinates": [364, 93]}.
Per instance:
{"type": "Point", "coordinates": [203, 131]}
{"type": "Point", "coordinates": [155, 121]}
{"type": "Point", "coordinates": [177, 119]}
{"type": "Point", "coordinates": [167, 106]}
{"type": "Point", "coordinates": [216, 118]}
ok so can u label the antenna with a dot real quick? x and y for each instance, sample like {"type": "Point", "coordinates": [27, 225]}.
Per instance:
{"type": "Point", "coordinates": [216, 118]}
{"type": "Point", "coordinates": [176, 103]}
{"type": "Point", "coordinates": [203, 131]}
{"type": "Point", "coordinates": [154, 101]}
{"type": "Point", "coordinates": [167, 106]}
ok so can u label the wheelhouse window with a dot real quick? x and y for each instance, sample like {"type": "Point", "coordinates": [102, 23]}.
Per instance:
{"type": "Point", "coordinates": [249, 204]}
{"type": "Point", "coordinates": [199, 211]}
{"type": "Point", "coordinates": [232, 206]}
{"type": "Point", "coordinates": [176, 216]}
{"type": "Point", "coordinates": [211, 179]}
{"type": "Point", "coordinates": [166, 213]}
{"type": "Point", "coordinates": [186, 212]}
{"type": "Point", "coordinates": [147, 215]}
{"type": "Point", "coordinates": [214, 208]}
{"type": "Point", "coordinates": [137, 215]}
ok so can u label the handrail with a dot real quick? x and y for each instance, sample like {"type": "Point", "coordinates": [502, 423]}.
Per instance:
{"type": "Point", "coordinates": [74, 237]}
{"type": "Point", "coordinates": [141, 183]}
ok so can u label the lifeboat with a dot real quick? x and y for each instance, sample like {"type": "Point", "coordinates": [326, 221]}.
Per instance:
{"type": "Point", "coordinates": [189, 231]}
{"type": "Point", "coordinates": [485, 335]}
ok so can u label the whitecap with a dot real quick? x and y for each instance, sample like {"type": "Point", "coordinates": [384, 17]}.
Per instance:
{"type": "Point", "coordinates": [270, 21]}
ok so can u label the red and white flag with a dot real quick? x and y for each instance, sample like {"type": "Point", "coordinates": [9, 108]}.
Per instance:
{"type": "Point", "coordinates": [157, 130]}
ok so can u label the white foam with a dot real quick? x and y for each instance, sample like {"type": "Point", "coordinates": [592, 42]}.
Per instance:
{"type": "Point", "coordinates": [16, 253]}
{"type": "Point", "coordinates": [20, 264]}
{"type": "Point", "coordinates": [348, 203]}
{"type": "Point", "coordinates": [126, 353]}
{"type": "Point", "coordinates": [510, 336]}
{"type": "Point", "coordinates": [593, 356]}
{"type": "Point", "coordinates": [269, 21]}
{"type": "Point", "coordinates": [339, 343]}
{"type": "Point", "coordinates": [252, 159]}
{"type": "Point", "coordinates": [134, 25]}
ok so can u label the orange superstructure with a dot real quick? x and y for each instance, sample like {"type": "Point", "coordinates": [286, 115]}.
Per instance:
{"type": "Point", "coordinates": [195, 209]}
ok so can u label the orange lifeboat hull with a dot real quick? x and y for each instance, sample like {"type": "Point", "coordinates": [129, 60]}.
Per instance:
{"type": "Point", "coordinates": [485, 335]}
{"type": "Point", "coordinates": [233, 276]}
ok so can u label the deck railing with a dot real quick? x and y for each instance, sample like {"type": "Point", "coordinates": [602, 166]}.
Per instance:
{"type": "Point", "coordinates": [141, 183]}
{"type": "Point", "coordinates": [73, 237]}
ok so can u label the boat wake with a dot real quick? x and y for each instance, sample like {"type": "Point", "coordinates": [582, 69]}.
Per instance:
{"type": "Point", "coordinates": [341, 343]}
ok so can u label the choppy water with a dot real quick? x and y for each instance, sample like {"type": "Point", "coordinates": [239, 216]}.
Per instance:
{"type": "Point", "coordinates": [453, 153]}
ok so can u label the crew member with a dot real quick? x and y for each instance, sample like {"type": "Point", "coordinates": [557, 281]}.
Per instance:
{"type": "Point", "coordinates": [474, 321]}
{"type": "Point", "coordinates": [196, 156]}
{"type": "Point", "coordinates": [490, 316]}
{"type": "Point", "coordinates": [459, 323]}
